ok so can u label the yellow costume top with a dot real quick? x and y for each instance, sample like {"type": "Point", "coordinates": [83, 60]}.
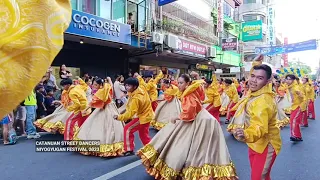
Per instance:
{"type": "Point", "coordinates": [213, 95]}
{"type": "Point", "coordinates": [262, 128]}
{"type": "Point", "coordinates": [232, 93]}
{"type": "Point", "coordinates": [31, 35]}
{"type": "Point", "coordinates": [298, 97]}
{"type": "Point", "coordinates": [139, 104]}
{"type": "Point", "coordinates": [151, 86]}
{"type": "Point", "coordinates": [78, 98]}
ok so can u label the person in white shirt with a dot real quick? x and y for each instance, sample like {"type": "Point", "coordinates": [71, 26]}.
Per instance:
{"type": "Point", "coordinates": [119, 91]}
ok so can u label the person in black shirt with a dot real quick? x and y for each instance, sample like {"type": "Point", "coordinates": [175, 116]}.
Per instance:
{"type": "Point", "coordinates": [41, 109]}
{"type": "Point", "coordinates": [64, 73]}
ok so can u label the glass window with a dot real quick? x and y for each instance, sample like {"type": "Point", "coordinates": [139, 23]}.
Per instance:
{"type": "Point", "coordinates": [119, 10]}
{"type": "Point", "coordinates": [74, 4]}
{"type": "Point", "coordinates": [142, 16]}
{"type": "Point", "coordinates": [250, 17]}
{"type": "Point", "coordinates": [249, 1]}
{"type": "Point", "coordinates": [88, 6]}
{"type": "Point", "coordinates": [228, 10]}
{"type": "Point", "coordinates": [105, 8]}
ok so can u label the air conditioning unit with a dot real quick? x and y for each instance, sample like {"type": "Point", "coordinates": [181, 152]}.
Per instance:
{"type": "Point", "coordinates": [156, 38]}
{"type": "Point", "coordinates": [172, 41]}
{"type": "Point", "coordinates": [212, 52]}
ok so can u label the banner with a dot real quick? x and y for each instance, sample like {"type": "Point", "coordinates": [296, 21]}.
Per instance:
{"type": "Point", "coordinates": [289, 48]}
{"type": "Point", "coordinates": [220, 16]}
{"type": "Point", "coordinates": [271, 29]}
{"type": "Point", "coordinates": [229, 44]}
{"type": "Point", "coordinates": [251, 30]}
{"type": "Point", "coordinates": [296, 71]}
{"type": "Point", "coordinates": [164, 2]}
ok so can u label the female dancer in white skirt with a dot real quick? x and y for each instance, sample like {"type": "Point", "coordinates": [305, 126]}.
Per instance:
{"type": "Point", "coordinates": [100, 125]}
{"type": "Point", "coordinates": [193, 145]}
{"type": "Point", "coordinates": [169, 107]}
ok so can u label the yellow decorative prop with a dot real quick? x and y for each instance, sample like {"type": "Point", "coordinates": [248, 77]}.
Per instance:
{"type": "Point", "coordinates": [31, 35]}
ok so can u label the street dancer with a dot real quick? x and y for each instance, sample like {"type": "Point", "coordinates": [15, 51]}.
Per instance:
{"type": "Point", "coordinates": [138, 109]}
{"type": "Point", "coordinates": [255, 123]}
{"type": "Point", "coordinates": [297, 99]}
{"type": "Point", "coordinates": [150, 86]}
{"type": "Point", "coordinates": [213, 99]}
{"type": "Point", "coordinates": [193, 145]}
{"type": "Point", "coordinates": [232, 93]}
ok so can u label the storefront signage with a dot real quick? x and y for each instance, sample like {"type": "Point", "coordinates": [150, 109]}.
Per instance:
{"type": "Point", "coordinates": [91, 26]}
{"type": "Point", "coordinates": [229, 44]}
{"type": "Point", "coordinates": [220, 16]}
{"type": "Point", "coordinates": [271, 29]}
{"type": "Point", "coordinates": [251, 30]}
{"type": "Point", "coordinates": [289, 48]}
{"type": "Point", "coordinates": [202, 66]}
{"type": "Point", "coordinates": [285, 56]}
{"type": "Point", "coordinates": [190, 48]}
{"type": "Point", "coordinates": [164, 2]}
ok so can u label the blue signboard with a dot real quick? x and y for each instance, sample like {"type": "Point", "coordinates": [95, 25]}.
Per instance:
{"type": "Point", "coordinates": [91, 26]}
{"type": "Point", "coordinates": [296, 47]}
{"type": "Point", "coordinates": [164, 2]}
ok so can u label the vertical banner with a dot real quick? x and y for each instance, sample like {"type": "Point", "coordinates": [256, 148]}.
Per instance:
{"type": "Point", "coordinates": [271, 28]}
{"type": "Point", "coordinates": [285, 56]}
{"type": "Point", "coordinates": [220, 16]}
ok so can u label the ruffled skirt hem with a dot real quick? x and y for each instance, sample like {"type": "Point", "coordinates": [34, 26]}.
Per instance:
{"type": "Point", "coordinates": [157, 125]}
{"type": "Point", "coordinates": [161, 171]}
{"type": "Point", "coordinates": [282, 123]}
{"type": "Point", "coordinates": [49, 126]}
{"type": "Point", "coordinates": [106, 150]}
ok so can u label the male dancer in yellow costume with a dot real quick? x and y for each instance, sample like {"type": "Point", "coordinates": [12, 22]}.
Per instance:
{"type": "Point", "coordinates": [31, 35]}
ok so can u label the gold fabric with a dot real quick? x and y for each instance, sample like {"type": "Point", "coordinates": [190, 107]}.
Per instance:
{"type": "Point", "coordinates": [100, 125]}
{"type": "Point", "coordinates": [189, 150]}
{"type": "Point", "coordinates": [224, 103]}
{"type": "Point", "coordinates": [54, 122]}
{"type": "Point", "coordinates": [164, 113]}
{"type": "Point", "coordinates": [31, 35]}
{"type": "Point", "coordinates": [282, 118]}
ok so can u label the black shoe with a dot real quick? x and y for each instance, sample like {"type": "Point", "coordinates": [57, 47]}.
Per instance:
{"type": "Point", "coordinates": [305, 125]}
{"type": "Point", "coordinates": [295, 139]}
{"type": "Point", "coordinates": [227, 122]}
{"type": "Point", "coordinates": [128, 153]}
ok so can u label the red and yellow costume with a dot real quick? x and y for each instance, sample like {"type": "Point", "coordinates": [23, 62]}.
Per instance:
{"type": "Point", "coordinates": [213, 100]}
{"type": "Point", "coordinates": [298, 100]}
{"type": "Point", "coordinates": [168, 108]}
{"type": "Point", "coordinates": [139, 105]}
{"type": "Point", "coordinates": [311, 98]}
{"type": "Point", "coordinates": [151, 88]}
{"type": "Point", "coordinates": [257, 116]}
{"type": "Point", "coordinates": [79, 107]}
{"type": "Point", "coordinates": [101, 125]}
{"type": "Point", "coordinates": [31, 35]}
{"type": "Point", "coordinates": [305, 89]}
{"type": "Point", "coordinates": [184, 150]}
{"type": "Point", "coordinates": [232, 93]}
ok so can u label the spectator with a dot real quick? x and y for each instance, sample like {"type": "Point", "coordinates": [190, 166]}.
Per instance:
{"type": "Point", "coordinates": [40, 94]}
{"type": "Point", "coordinates": [64, 73]}
{"type": "Point", "coordinates": [50, 102]}
{"type": "Point", "coordinates": [119, 90]}
{"type": "Point", "coordinates": [21, 116]}
{"type": "Point", "coordinates": [31, 104]}
{"type": "Point", "coordinates": [51, 80]}
{"type": "Point", "coordinates": [5, 130]}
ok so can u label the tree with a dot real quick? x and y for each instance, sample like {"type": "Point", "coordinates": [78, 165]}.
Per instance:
{"type": "Point", "coordinates": [300, 65]}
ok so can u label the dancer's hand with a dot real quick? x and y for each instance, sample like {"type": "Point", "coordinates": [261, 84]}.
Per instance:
{"type": "Point", "coordinates": [239, 132]}
{"type": "Point", "coordinates": [115, 117]}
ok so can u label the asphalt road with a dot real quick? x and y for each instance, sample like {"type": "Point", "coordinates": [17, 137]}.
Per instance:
{"type": "Point", "coordinates": [296, 161]}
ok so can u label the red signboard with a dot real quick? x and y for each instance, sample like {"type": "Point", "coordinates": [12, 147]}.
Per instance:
{"type": "Point", "coordinates": [191, 48]}
{"type": "Point", "coordinates": [285, 56]}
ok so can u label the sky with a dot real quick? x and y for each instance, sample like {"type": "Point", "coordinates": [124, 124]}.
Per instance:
{"type": "Point", "coordinates": [300, 21]}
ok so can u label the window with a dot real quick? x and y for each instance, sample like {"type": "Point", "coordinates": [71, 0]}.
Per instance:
{"type": "Point", "coordinates": [119, 9]}
{"type": "Point", "coordinates": [228, 10]}
{"type": "Point", "coordinates": [74, 4]}
{"type": "Point", "coordinates": [249, 1]}
{"type": "Point", "coordinates": [250, 17]}
{"type": "Point", "coordinates": [88, 6]}
{"type": "Point", "coordinates": [104, 8]}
